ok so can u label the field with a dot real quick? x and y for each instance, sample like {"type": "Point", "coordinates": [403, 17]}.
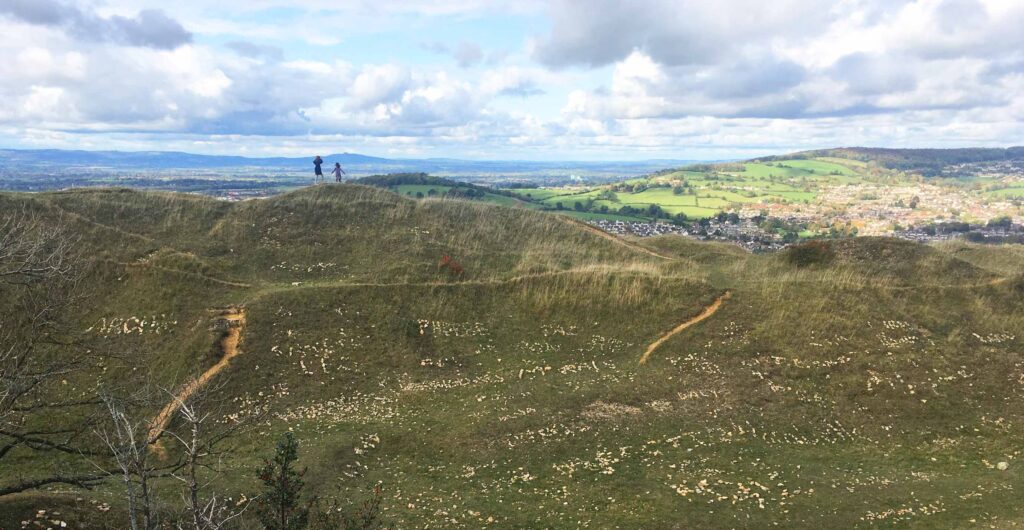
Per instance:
{"type": "Point", "coordinates": [875, 386]}
{"type": "Point", "coordinates": [1008, 192]}
{"type": "Point", "coordinates": [424, 191]}
{"type": "Point", "coordinates": [719, 188]}
{"type": "Point", "coordinates": [588, 216]}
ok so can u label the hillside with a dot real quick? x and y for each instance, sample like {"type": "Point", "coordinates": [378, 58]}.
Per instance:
{"type": "Point", "coordinates": [877, 384]}
{"type": "Point", "coordinates": [929, 162]}
{"type": "Point", "coordinates": [765, 202]}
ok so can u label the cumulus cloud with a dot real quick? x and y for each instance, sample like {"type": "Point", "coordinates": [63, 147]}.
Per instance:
{"type": "Point", "coordinates": [378, 84]}
{"type": "Point", "coordinates": [636, 78]}
{"type": "Point", "coordinates": [512, 81]}
{"type": "Point", "coordinates": [466, 53]}
{"type": "Point", "coordinates": [256, 51]}
{"type": "Point", "coordinates": [149, 28]}
{"type": "Point", "coordinates": [601, 32]}
{"type": "Point", "coordinates": [870, 74]}
{"type": "Point", "coordinates": [739, 59]}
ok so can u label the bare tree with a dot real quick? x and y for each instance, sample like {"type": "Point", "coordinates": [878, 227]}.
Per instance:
{"type": "Point", "coordinates": [199, 445]}
{"type": "Point", "coordinates": [200, 438]}
{"type": "Point", "coordinates": [40, 272]}
{"type": "Point", "coordinates": [127, 440]}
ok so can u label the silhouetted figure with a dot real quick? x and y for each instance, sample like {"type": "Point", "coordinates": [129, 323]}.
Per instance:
{"type": "Point", "coordinates": [319, 173]}
{"type": "Point", "coordinates": [338, 172]}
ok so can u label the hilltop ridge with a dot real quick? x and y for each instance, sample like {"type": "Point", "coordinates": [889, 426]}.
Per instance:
{"type": "Point", "coordinates": [872, 378]}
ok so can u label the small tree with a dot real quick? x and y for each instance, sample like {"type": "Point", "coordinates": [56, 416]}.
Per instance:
{"type": "Point", "coordinates": [127, 439]}
{"type": "Point", "coordinates": [280, 506]}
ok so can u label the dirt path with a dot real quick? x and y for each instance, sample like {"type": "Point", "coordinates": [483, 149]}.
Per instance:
{"type": "Point", "coordinates": [601, 233]}
{"type": "Point", "coordinates": [98, 224]}
{"type": "Point", "coordinates": [235, 320]}
{"type": "Point", "coordinates": [190, 274]}
{"type": "Point", "coordinates": [707, 312]}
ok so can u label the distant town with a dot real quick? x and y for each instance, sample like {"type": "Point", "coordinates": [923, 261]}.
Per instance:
{"type": "Point", "coordinates": [761, 205]}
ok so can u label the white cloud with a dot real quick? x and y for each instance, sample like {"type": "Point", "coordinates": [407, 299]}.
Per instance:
{"type": "Point", "coordinates": [514, 81]}
{"type": "Point", "coordinates": [606, 76]}
{"type": "Point", "coordinates": [148, 27]}
{"type": "Point", "coordinates": [378, 84]}
{"type": "Point", "coordinates": [858, 58]}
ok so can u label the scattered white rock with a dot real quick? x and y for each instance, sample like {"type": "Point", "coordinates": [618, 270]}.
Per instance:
{"type": "Point", "coordinates": [1002, 466]}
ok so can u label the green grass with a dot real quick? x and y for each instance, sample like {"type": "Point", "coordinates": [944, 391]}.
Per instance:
{"type": "Point", "coordinates": [799, 169]}
{"type": "Point", "coordinates": [842, 394]}
{"type": "Point", "coordinates": [410, 190]}
{"type": "Point", "coordinates": [1012, 192]}
{"type": "Point", "coordinates": [848, 162]}
{"type": "Point", "coordinates": [538, 194]}
{"type": "Point", "coordinates": [413, 189]}
{"type": "Point", "coordinates": [717, 190]}
{"type": "Point", "coordinates": [586, 216]}
{"type": "Point", "coordinates": [820, 167]}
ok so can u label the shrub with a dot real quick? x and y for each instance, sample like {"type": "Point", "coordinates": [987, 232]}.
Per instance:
{"type": "Point", "coordinates": [810, 253]}
{"type": "Point", "coordinates": [366, 517]}
{"type": "Point", "coordinates": [1017, 284]}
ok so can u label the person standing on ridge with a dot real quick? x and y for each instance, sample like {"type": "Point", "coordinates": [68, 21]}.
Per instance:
{"type": "Point", "coordinates": [319, 173]}
{"type": "Point", "coordinates": [338, 172]}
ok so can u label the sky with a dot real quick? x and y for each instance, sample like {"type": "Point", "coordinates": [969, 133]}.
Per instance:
{"type": "Point", "coordinates": [510, 80]}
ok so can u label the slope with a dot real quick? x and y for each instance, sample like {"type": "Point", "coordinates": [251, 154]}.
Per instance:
{"type": "Point", "coordinates": [879, 388]}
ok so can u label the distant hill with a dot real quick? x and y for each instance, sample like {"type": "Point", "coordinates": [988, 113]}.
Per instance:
{"type": "Point", "coordinates": [58, 159]}
{"type": "Point", "coordinates": [928, 162]}
{"type": "Point", "coordinates": [163, 159]}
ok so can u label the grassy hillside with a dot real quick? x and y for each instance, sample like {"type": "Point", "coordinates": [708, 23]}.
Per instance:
{"type": "Point", "coordinates": [928, 162]}
{"type": "Point", "coordinates": [877, 386]}
{"type": "Point", "coordinates": [703, 190]}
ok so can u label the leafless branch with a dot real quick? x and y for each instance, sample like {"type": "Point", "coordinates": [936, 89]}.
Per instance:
{"type": "Point", "coordinates": [40, 274]}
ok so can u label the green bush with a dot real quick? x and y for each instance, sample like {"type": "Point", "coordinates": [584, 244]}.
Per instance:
{"type": "Point", "coordinates": [1017, 284]}
{"type": "Point", "coordinates": [810, 253]}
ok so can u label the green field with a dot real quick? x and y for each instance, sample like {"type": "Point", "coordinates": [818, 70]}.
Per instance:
{"type": "Point", "coordinates": [410, 190]}
{"type": "Point", "coordinates": [710, 191]}
{"type": "Point", "coordinates": [720, 188]}
{"type": "Point", "coordinates": [589, 216]}
{"type": "Point", "coordinates": [876, 385]}
{"type": "Point", "coordinates": [539, 194]}
{"type": "Point", "coordinates": [797, 169]}
{"type": "Point", "coordinates": [1012, 192]}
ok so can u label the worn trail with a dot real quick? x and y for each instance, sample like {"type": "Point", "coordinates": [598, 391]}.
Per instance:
{"type": "Point", "coordinates": [707, 312]}
{"type": "Point", "coordinates": [235, 320]}
{"type": "Point", "coordinates": [618, 240]}
{"type": "Point", "coordinates": [170, 270]}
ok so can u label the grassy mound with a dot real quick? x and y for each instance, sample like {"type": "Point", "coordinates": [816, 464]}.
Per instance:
{"type": "Point", "coordinates": [878, 389]}
{"type": "Point", "coordinates": [900, 260]}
